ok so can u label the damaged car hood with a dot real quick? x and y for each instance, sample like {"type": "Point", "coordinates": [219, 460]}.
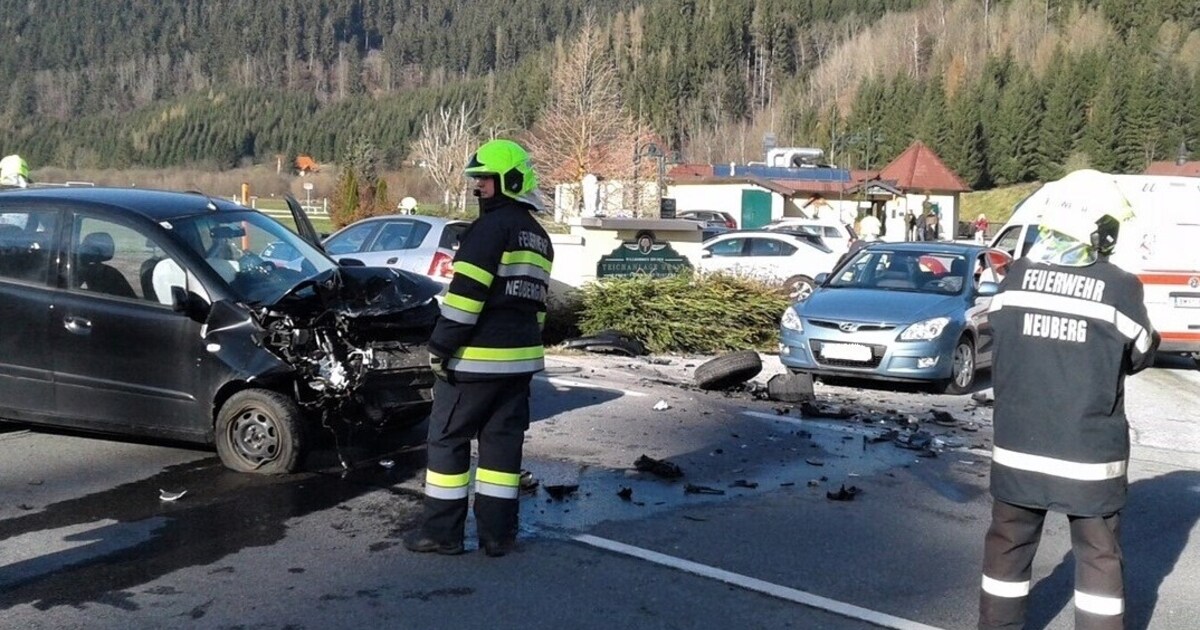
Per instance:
{"type": "Point", "coordinates": [332, 333]}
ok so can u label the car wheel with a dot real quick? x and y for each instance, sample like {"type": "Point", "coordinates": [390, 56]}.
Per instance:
{"type": "Point", "coordinates": [728, 370]}
{"type": "Point", "coordinates": [260, 431]}
{"type": "Point", "coordinates": [962, 374]}
{"type": "Point", "coordinates": [799, 287]}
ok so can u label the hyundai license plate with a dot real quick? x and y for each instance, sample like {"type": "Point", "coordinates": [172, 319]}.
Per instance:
{"type": "Point", "coordinates": [846, 352]}
{"type": "Point", "coordinates": [1186, 301]}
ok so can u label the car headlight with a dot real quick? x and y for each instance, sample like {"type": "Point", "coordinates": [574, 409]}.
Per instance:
{"type": "Point", "coordinates": [925, 330]}
{"type": "Point", "coordinates": [791, 320]}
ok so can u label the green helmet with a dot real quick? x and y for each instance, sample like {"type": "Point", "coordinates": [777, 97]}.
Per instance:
{"type": "Point", "coordinates": [509, 162]}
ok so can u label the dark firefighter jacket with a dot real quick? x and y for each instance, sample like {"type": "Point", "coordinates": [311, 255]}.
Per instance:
{"type": "Point", "coordinates": [492, 315]}
{"type": "Point", "coordinates": [1065, 337]}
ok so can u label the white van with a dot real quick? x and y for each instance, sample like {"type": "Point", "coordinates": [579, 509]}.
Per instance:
{"type": "Point", "coordinates": [1161, 245]}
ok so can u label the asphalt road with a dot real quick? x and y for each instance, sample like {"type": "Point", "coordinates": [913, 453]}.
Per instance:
{"type": "Point", "coordinates": [86, 541]}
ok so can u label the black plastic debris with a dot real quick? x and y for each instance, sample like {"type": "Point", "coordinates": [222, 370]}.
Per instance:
{"type": "Point", "coordinates": [658, 467]}
{"type": "Point", "coordinates": [528, 484]}
{"type": "Point", "coordinates": [625, 493]}
{"type": "Point", "coordinates": [822, 411]}
{"type": "Point", "coordinates": [843, 494]}
{"type": "Point", "coordinates": [913, 440]}
{"type": "Point", "coordinates": [693, 489]}
{"type": "Point", "coordinates": [943, 418]}
{"type": "Point", "coordinates": [790, 388]}
{"type": "Point", "coordinates": [608, 342]}
{"type": "Point", "coordinates": [561, 492]}
{"type": "Point", "coordinates": [982, 398]}
{"type": "Point", "coordinates": [742, 483]}
{"type": "Point", "coordinates": [814, 461]}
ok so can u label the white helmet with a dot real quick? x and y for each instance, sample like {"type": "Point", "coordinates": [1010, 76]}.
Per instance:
{"type": "Point", "coordinates": [1081, 219]}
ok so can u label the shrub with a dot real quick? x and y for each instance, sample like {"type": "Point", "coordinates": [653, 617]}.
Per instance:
{"type": "Point", "coordinates": [686, 313]}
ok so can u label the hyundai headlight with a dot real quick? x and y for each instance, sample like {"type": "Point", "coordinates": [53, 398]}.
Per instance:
{"type": "Point", "coordinates": [791, 320]}
{"type": "Point", "coordinates": [925, 330]}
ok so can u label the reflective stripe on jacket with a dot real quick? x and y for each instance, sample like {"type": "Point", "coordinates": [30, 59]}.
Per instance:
{"type": "Point", "coordinates": [1065, 337]}
{"type": "Point", "coordinates": [493, 312]}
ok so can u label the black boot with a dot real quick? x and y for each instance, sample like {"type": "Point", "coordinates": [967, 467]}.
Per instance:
{"type": "Point", "coordinates": [497, 548]}
{"type": "Point", "coordinates": [421, 543]}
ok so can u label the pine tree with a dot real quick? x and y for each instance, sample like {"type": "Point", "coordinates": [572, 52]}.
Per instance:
{"type": "Point", "coordinates": [1100, 140]}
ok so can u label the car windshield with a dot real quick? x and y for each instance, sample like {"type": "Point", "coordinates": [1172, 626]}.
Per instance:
{"type": "Point", "coordinates": [903, 270]}
{"type": "Point", "coordinates": [236, 244]}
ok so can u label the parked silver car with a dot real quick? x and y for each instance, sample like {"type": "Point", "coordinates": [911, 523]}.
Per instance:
{"type": "Point", "coordinates": [899, 311]}
{"type": "Point", "coordinates": [416, 243]}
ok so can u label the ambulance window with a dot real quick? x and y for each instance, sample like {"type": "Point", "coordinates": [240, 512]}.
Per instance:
{"type": "Point", "coordinates": [1007, 240]}
{"type": "Point", "coordinates": [1030, 236]}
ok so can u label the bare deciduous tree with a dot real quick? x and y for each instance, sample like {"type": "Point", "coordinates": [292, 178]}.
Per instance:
{"type": "Point", "coordinates": [584, 128]}
{"type": "Point", "coordinates": [447, 138]}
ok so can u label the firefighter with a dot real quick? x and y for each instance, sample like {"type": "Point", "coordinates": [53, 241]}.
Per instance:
{"type": "Point", "coordinates": [485, 348]}
{"type": "Point", "coordinates": [1069, 326]}
{"type": "Point", "coordinates": [14, 171]}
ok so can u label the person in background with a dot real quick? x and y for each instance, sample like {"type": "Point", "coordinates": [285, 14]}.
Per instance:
{"type": "Point", "coordinates": [981, 228]}
{"type": "Point", "coordinates": [484, 350]}
{"type": "Point", "coordinates": [869, 227]}
{"type": "Point", "coordinates": [1068, 326]}
{"type": "Point", "coordinates": [933, 228]}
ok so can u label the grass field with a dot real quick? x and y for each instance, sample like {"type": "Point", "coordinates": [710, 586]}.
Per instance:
{"type": "Point", "coordinates": [996, 204]}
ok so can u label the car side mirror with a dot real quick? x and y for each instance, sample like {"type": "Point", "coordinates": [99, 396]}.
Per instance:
{"type": "Point", "coordinates": [987, 289]}
{"type": "Point", "coordinates": [821, 278]}
{"type": "Point", "coordinates": [351, 262]}
{"type": "Point", "coordinates": [187, 303]}
{"type": "Point", "coordinates": [706, 254]}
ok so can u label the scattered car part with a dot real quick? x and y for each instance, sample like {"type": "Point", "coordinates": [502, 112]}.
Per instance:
{"type": "Point", "coordinates": [608, 341]}
{"type": "Point", "coordinates": [742, 483]}
{"type": "Point", "coordinates": [943, 418]}
{"type": "Point", "coordinates": [815, 461]}
{"type": "Point", "coordinates": [658, 467]}
{"type": "Point", "coordinates": [790, 388]}
{"type": "Point", "coordinates": [625, 493]}
{"type": "Point", "coordinates": [387, 463]}
{"type": "Point", "coordinates": [527, 482]}
{"type": "Point", "coordinates": [843, 494]}
{"type": "Point", "coordinates": [914, 440]}
{"type": "Point", "coordinates": [822, 411]}
{"type": "Point", "coordinates": [165, 495]}
{"type": "Point", "coordinates": [728, 370]}
{"type": "Point", "coordinates": [661, 406]}
{"type": "Point", "coordinates": [561, 491]}
{"type": "Point", "coordinates": [692, 489]}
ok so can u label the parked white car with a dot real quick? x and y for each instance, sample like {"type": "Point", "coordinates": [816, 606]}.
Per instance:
{"type": "Point", "coordinates": [416, 243]}
{"type": "Point", "coordinates": [792, 260]}
{"type": "Point", "coordinates": [838, 236]}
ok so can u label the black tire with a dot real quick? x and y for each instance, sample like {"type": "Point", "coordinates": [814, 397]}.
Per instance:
{"type": "Point", "coordinates": [963, 368]}
{"type": "Point", "coordinates": [799, 287]}
{"type": "Point", "coordinates": [728, 370]}
{"type": "Point", "coordinates": [260, 431]}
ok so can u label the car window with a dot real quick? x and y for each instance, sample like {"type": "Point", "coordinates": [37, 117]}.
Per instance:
{"type": "Point", "coordinates": [729, 247]}
{"type": "Point", "coordinates": [25, 244]}
{"type": "Point", "coordinates": [280, 251]}
{"type": "Point", "coordinates": [350, 240]}
{"type": "Point", "coordinates": [1007, 240]}
{"type": "Point", "coordinates": [117, 260]}
{"type": "Point", "coordinates": [770, 247]}
{"type": "Point", "coordinates": [1030, 238]}
{"type": "Point", "coordinates": [398, 235]}
{"type": "Point", "coordinates": [832, 232]}
{"type": "Point", "coordinates": [451, 234]}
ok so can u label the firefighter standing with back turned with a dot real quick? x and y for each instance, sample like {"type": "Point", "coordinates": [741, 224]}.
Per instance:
{"type": "Point", "coordinates": [1069, 326]}
{"type": "Point", "coordinates": [485, 348]}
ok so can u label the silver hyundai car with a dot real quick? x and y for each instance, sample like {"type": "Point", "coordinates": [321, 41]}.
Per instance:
{"type": "Point", "coordinates": [899, 311]}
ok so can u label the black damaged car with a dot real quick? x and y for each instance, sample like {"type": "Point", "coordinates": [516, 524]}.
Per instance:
{"type": "Point", "coordinates": [153, 313]}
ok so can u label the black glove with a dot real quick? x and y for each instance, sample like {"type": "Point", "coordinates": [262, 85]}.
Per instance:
{"type": "Point", "coordinates": [439, 369]}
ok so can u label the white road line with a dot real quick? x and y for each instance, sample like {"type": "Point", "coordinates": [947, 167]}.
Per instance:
{"type": "Point", "coordinates": [567, 382]}
{"type": "Point", "coordinates": [753, 584]}
{"type": "Point", "coordinates": [856, 429]}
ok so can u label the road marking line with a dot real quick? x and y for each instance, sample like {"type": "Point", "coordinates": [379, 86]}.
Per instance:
{"type": "Point", "coordinates": [818, 424]}
{"type": "Point", "coordinates": [753, 584]}
{"type": "Point", "coordinates": [566, 382]}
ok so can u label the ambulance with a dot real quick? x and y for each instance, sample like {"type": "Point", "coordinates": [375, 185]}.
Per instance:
{"type": "Point", "coordinates": [1160, 244]}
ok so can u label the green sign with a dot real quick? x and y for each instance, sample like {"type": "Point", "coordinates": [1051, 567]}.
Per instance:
{"type": "Point", "coordinates": [644, 255]}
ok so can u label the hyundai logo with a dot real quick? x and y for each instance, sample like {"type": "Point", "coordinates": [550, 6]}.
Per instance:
{"type": "Point", "coordinates": [848, 326]}
{"type": "Point", "coordinates": [1194, 282]}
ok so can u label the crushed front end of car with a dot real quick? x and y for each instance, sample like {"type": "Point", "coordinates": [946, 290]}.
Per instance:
{"type": "Point", "coordinates": [351, 344]}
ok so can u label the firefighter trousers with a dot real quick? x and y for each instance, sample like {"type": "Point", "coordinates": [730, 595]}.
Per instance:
{"type": "Point", "coordinates": [495, 412]}
{"type": "Point", "coordinates": [1012, 540]}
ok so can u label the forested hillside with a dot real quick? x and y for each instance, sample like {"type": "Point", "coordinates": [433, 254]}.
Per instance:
{"type": "Point", "coordinates": [1005, 90]}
